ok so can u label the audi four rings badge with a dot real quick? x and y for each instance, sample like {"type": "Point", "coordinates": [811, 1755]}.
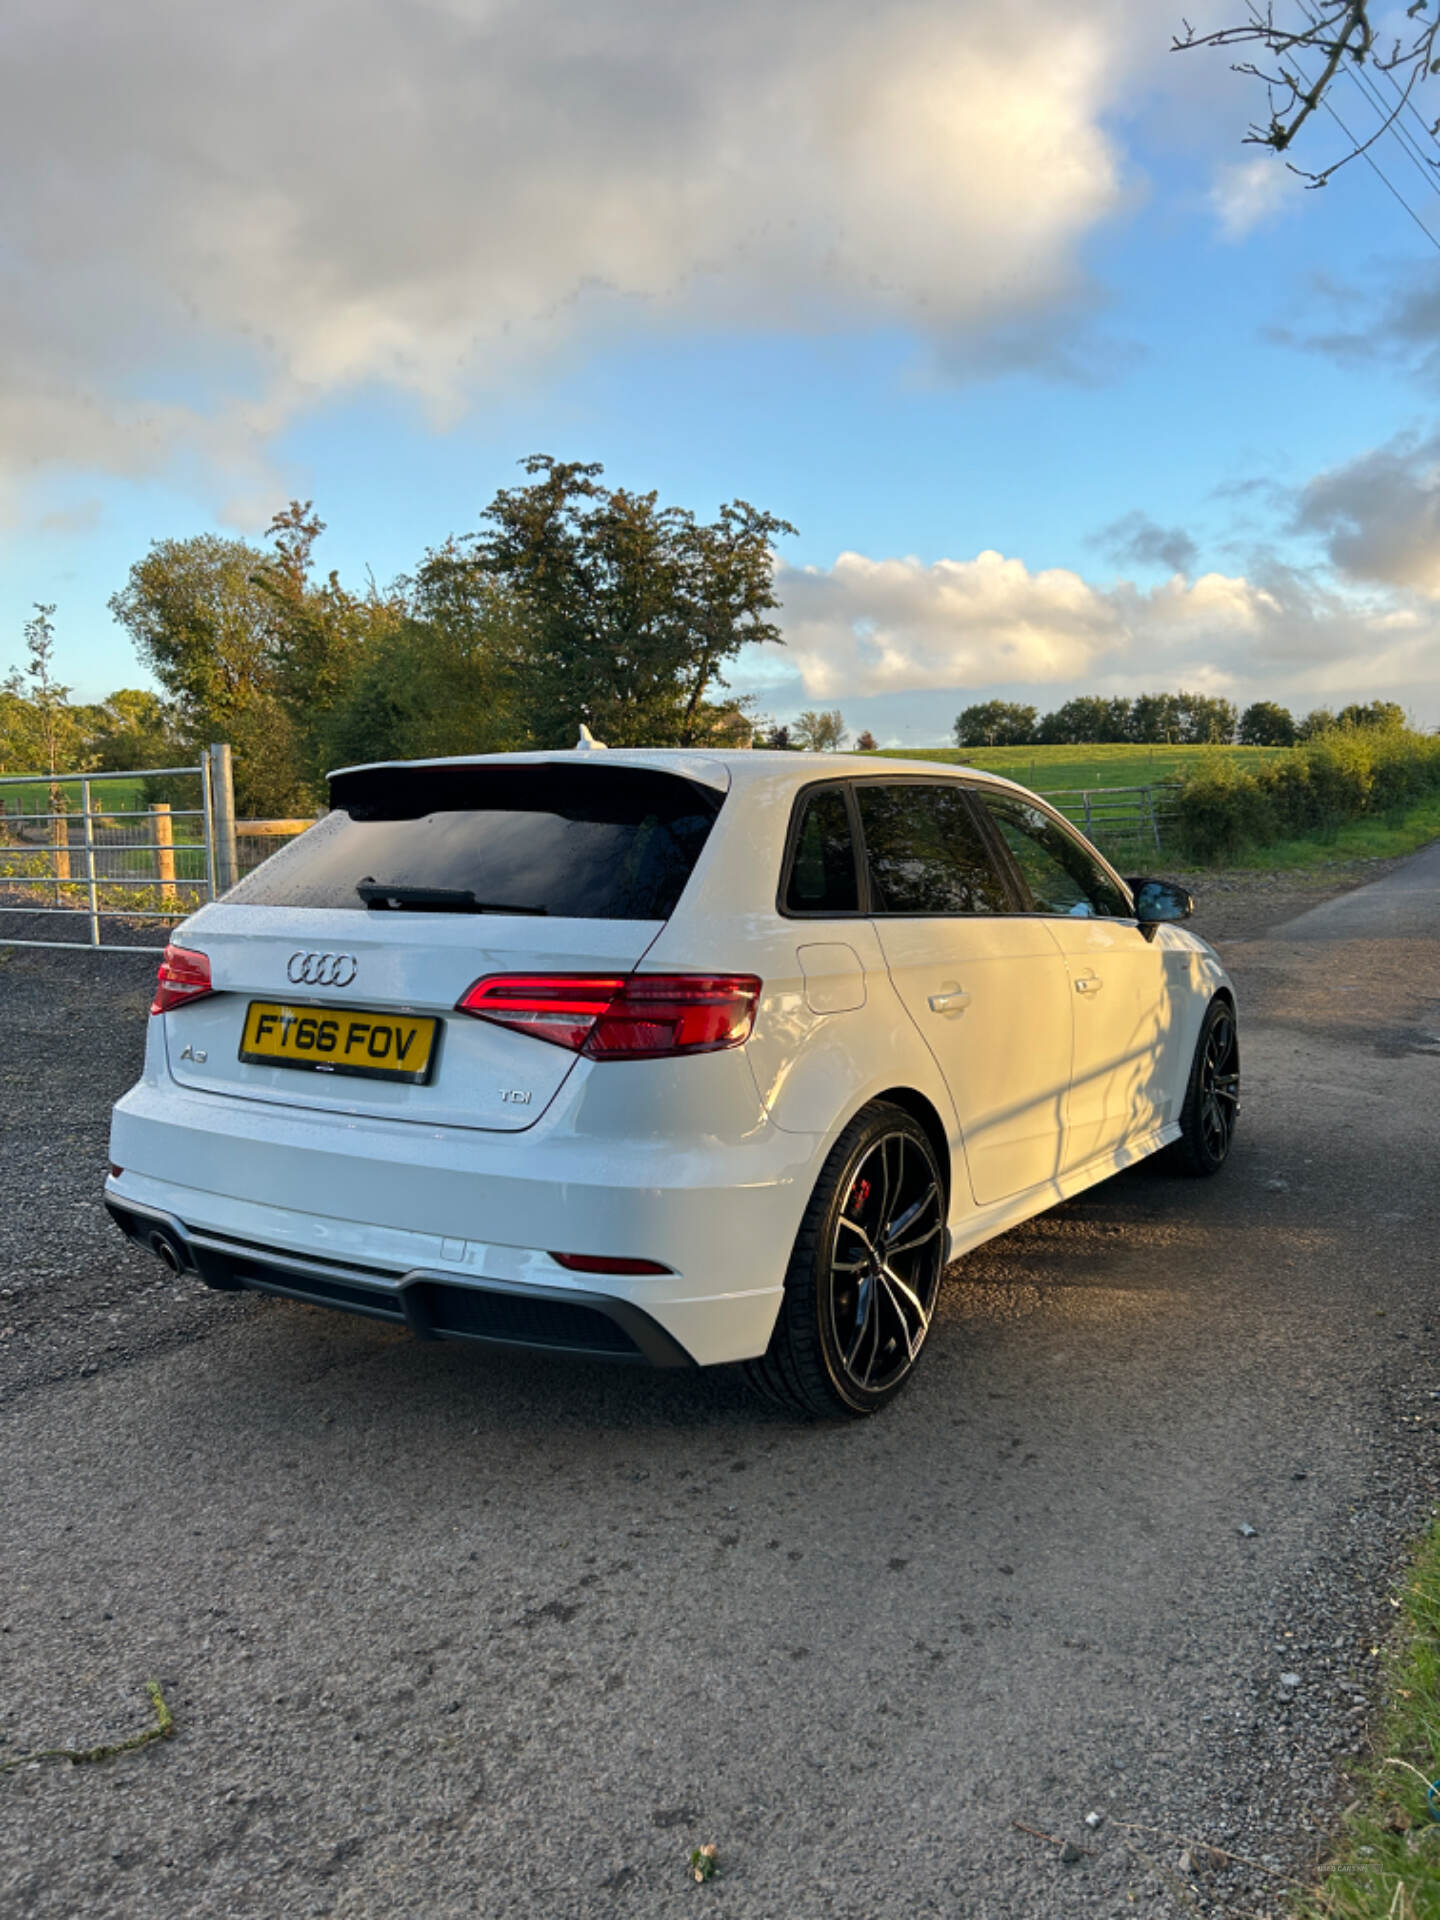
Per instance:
{"type": "Point", "coordinates": [322, 969]}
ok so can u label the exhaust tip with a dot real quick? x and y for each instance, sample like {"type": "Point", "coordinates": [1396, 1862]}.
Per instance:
{"type": "Point", "coordinates": [165, 1250]}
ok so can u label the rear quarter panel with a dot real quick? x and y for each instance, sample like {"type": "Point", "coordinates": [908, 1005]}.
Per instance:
{"type": "Point", "coordinates": [813, 1069]}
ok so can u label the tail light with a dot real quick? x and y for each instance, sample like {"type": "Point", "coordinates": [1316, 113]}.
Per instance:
{"type": "Point", "coordinates": [183, 976]}
{"type": "Point", "coordinates": [647, 1016]}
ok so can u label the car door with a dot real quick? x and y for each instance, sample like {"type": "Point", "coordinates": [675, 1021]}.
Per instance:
{"type": "Point", "coordinates": [1123, 1019]}
{"type": "Point", "coordinates": [986, 986]}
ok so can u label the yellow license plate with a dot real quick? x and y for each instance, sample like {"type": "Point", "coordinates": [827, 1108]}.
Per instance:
{"type": "Point", "coordinates": [379, 1046]}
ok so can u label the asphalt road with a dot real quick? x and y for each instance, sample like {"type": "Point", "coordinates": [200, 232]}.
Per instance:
{"type": "Point", "coordinates": [449, 1633]}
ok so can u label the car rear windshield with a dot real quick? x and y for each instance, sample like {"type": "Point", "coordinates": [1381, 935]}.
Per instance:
{"type": "Point", "coordinates": [588, 843]}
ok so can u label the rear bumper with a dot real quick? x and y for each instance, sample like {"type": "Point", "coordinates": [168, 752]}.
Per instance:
{"type": "Point", "coordinates": [411, 1209]}
{"type": "Point", "coordinates": [434, 1306]}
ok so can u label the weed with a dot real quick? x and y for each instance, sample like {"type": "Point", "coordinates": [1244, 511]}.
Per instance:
{"type": "Point", "coordinates": [163, 1728]}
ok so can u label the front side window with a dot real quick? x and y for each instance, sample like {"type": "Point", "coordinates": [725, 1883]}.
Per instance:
{"type": "Point", "coordinates": [822, 872]}
{"type": "Point", "coordinates": [926, 853]}
{"type": "Point", "coordinates": [1061, 876]}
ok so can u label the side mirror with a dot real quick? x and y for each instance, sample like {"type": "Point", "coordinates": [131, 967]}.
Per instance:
{"type": "Point", "coordinates": [1160, 902]}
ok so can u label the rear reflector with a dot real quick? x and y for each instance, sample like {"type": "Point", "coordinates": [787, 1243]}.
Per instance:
{"type": "Point", "coordinates": [183, 976]}
{"type": "Point", "coordinates": [115, 1172]}
{"type": "Point", "coordinates": [603, 1263]}
{"type": "Point", "coordinates": [647, 1016]}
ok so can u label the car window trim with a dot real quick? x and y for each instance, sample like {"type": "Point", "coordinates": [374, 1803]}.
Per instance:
{"type": "Point", "coordinates": [1022, 901]}
{"type": "Point", "coordinates": [803, 796]}
{"type": "Point", "coordinates": [1067, 828]}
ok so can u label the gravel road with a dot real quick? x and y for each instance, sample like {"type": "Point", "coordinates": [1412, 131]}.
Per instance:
{"type": "Point", "coordinates": [446, 1633]}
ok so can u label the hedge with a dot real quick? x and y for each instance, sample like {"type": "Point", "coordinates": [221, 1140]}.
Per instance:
{"type": "Point", "coordinates": [1221, 808]}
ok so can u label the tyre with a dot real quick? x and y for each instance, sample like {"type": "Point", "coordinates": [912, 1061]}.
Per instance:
{"type": "Point", "coordinates": [1212, 1096]}
{"type": "Point", "coordinates": [862, 1282]}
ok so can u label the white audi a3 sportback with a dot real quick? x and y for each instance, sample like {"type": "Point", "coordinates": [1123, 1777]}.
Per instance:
{"type": "Point", "coordinates": [684, 1057]}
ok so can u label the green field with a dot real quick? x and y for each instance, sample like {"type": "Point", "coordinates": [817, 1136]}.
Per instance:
{"type": "Point", "coordinates": [1056, 769]}
{"type": "Point", "coordinates": [117, 795]}
{"type": "Point", "coordinates": [122, 795]}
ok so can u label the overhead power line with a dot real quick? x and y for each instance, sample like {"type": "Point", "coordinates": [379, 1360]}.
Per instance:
{"type": "Point", "coordinates": [1391, 117]}
{"type": "Point", "coordinates": [1360, 147]}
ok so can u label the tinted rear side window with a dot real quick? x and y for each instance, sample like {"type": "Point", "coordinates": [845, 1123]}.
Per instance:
{"type": "Point", "coordinates": [591, 843]}
{"type": "Point", "coordinates": [926, 852]}
{"type": "Point", "coordinates": [822, 871]}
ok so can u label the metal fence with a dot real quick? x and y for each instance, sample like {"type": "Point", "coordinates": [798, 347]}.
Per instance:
{"type": "Point", "coordinates": [1118, 819]}
{"type": "Point", "coordinates": [70, 854]}
{"type": "Point", "coordinates": [76, 850]}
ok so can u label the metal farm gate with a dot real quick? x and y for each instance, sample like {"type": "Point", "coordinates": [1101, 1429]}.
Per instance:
{"type": "Point", "coordinates": [1118, 820]}
{"type": "Point", "coordinates": [83, 854]}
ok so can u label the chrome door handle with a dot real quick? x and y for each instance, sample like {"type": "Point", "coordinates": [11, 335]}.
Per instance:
{"type": "Point", "coordinates": [1089, 983]}
{"type": "Point", "coordinates": [955, 1002]}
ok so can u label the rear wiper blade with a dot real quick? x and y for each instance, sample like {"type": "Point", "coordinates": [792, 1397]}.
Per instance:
{"type": "Point", "coordinates": [404, 899]}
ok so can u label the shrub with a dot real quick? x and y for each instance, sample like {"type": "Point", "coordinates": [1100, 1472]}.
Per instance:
{"type": "Point", "coordinates": [1221, 809]}
{"type": "Point", "coordinates": [1343, 773]}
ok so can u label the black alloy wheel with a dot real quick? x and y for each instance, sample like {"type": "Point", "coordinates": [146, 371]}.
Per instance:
{"type": "Point", "coordinates": [863, 1281]}
{"type": "Point", "coordinates": [1212, 1098]}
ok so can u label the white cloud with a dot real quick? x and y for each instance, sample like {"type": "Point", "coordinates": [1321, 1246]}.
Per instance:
{"type": "Point", "coordinates": [1249, 193]}
{"type": "Point", "coordinates": [878, 626]}
{"type": "Point", "coordinates": [866, 628]}
{"type": "Point", "coordinates": [267, 204]}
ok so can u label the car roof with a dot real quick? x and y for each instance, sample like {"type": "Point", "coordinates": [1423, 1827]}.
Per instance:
{"type": "Point", "coordinates": [713, 767]}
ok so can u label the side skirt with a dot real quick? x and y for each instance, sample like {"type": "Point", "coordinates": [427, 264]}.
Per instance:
{"type": "Point", "coordinates": [985, 1223]}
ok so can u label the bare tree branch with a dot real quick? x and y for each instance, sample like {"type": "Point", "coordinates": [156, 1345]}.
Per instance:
{"type": "Point", "coordinates": [1342, 34]}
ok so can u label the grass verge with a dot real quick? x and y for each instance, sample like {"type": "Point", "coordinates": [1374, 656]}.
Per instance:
{"type": "Point", "coordinates": [1373, 838]}
{"type": "Point", "coordinates": [1386, 1862]}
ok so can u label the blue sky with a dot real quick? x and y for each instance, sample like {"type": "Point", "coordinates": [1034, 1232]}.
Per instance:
{"type": "Point", "coordinates": [931, 289]}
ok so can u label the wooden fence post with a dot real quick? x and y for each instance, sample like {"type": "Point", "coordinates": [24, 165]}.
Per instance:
{"type": "Point", "coordinates": [60, 841]}
{"type": "Point", "coordinates": [164, 839]}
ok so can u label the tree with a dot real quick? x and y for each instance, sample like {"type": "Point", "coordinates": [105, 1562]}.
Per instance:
{"type": "Point", "coordinates": [438, 676]}
{"type": "Point", "coordinates": [203, 622]}
{"type": "Point", "coordinates": [1319, 720]}
{"type": "Point", "coordinates": [628, 611]}
{"type": "Point", "coordinates": [1379, 713]}
{"type": "Point", "coordinates": [1207, 720]}
{"type": "Point", "coordinates": [1264, 724]}
{"type": "Point", "coordinates": [1303, 55]}
{"type": "Point", "coordinates": [316, 635]}
{"type": "Point", "coordinates": [1156, 718]}
{"type": "Point", "coordinates": [820, 732]}
{"type": "Point", "coordinates": [995, 723]}
{"type": "Point", "coordinates": [133, 728]}
{"type": "Point", "coordinates": [866, 742]}
{"type": "Point", "coordinates": [1182, 719]}
{"type": "Point", "coordinates": [778, 739]}
{"type": "Point", "coordinates": [1089, 720]}
{"type": "Point", "coordinates": [40, 731]}
{"type": "Point", "coordinates": [56, 735]}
